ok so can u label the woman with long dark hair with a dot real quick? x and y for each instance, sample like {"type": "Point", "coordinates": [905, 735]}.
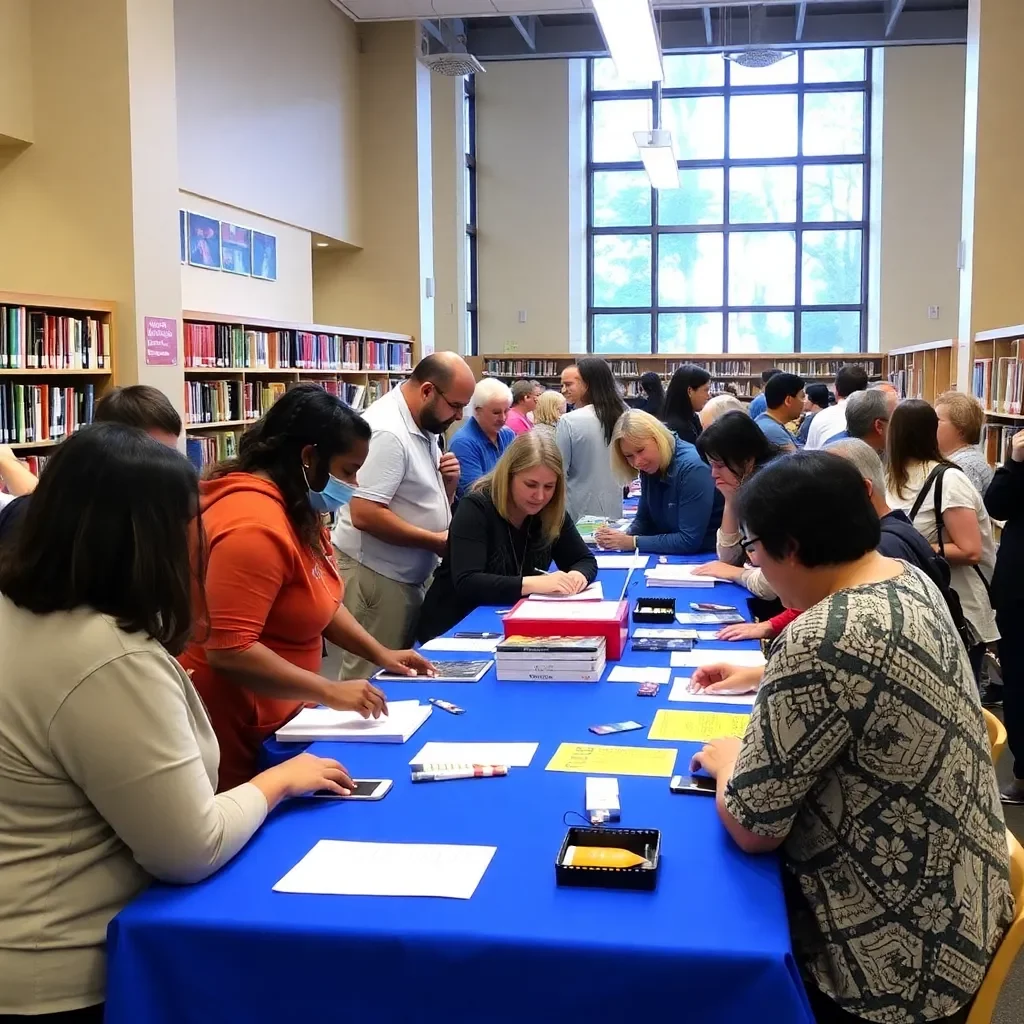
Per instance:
{"type": "Point", "coordinates": [688, 393]}
{"type": "Point", "coordinates": [736, 449]}
{"type": "Point", "coordinates": [947, 509]}
{"type": "Point", "coordinates": [272, 589]}
{"type": "Point", "coordinates": [652, 394]}
{"type": "Point", "coordinates": [108, 763]}
{"type": "Point", "coordinates": [584, 437]}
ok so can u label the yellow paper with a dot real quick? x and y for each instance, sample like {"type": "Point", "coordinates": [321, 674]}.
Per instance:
{"type": "Point", "coordinates": [601, 760]}
{"type": "Point", "coordinates": [696, 726]}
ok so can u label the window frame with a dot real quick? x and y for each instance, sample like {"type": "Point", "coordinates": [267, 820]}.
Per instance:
{"type": "Point", "coordinates": [657, 94]}
{"type": "Point", "coordinates": [472, 297]}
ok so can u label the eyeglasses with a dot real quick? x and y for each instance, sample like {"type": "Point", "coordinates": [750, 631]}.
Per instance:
{"type": "Point", "coordinates": [746, 543]}
{"type": "Point", "coordinates": [454, 406]}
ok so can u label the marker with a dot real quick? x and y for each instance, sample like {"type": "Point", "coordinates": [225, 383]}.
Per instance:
{"type": "Point", "coordinates": [477, 772]}
{"type": "Point", "coordinates": [436, 767]}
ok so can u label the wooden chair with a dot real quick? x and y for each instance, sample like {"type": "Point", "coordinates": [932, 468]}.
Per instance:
{"type": "Point", "coordinates": [996, 734]}
{"type": "Point", "coordinates": [1013, 941]}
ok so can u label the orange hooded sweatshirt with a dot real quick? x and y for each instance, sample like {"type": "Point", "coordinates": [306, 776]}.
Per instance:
{"type": "Point", "coordinates": [262, 586]}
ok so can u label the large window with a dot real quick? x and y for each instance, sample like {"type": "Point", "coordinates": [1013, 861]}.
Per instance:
{"type": "Point", "coordinates": [469, 148]}
{"type": "Point", "coordinates": [763, 248]}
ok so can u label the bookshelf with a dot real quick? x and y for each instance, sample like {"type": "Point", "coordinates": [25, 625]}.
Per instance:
{"type": "Point", "coordinates": [921, 371]}
{"type": "Point", "coordinates": [741, 372]}
{"type": "Point", "coordinates": [236, 367]}
{"type": "Point", "coordinates": [997, 381]}
{"type": "Point", "coordinates": [56, 362]}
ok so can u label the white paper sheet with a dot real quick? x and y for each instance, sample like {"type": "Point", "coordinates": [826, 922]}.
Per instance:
{"type": "Point", "coordinates": [680, 692]}
{"type": "Point", "coordinates": [622, 561]}
{"type": "Point", "coordinates": [515, 755]}
{"type": "Point", "coordinates": [674, 575]}
{"type": "Point", "coordinates": [338, 868]}
{"type": "Point", "coordinates": [664, 633]}
{"type": "Point", "coordinates": [595, 592]}
{"type": "Point", "coordinates": [461, 643]}
{"type": "Point", "coordinates": [705, 656]}
{"type": "Point", "coordinates": [639, 674]}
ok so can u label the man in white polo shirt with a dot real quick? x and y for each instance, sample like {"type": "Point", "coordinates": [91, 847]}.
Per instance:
{"type": "Point", "coordinates": [390, 536]}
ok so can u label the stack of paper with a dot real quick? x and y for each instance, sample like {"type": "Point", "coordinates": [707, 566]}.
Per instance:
{"type": "Point", "coordinates": [404, 717]}
{"type": "Point", "coordinates": [663, 575]}
{"type": "Point", "coordinates": [594, 592]}
{"type": "Point", "coordinates": [337, 868]}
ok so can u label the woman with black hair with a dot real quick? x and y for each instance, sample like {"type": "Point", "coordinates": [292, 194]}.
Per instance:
{"type": "Point", "coordinates": [584, 438]}
{"type": "Point", "coordinates": [272, 589]}
{"type": "Point", "coordinates": [735, 448]}
{"type": "Point", "coordinates": [688, 393]}
{"type": "Point", "coordinates": [866, 762]}
{"type": "Point", "coordinates": [652, 394]}
{"type": "Point", "coordinates": [108, 762]}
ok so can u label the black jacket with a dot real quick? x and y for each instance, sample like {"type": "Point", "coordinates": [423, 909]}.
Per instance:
{"type": "Point", "coordinates": [901, 539]}
{"type": "Point", "coordinates": [685, 429]}
{"type": "Point", "coordinates": [486, 560]}
{"type": "Point", "coordinates": [1004, 500]}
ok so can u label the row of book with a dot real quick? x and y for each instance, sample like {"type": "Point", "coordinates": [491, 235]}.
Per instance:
{"type": "Point", "coordinates": [565, 659]}
{"type": "Point", "coordinates": [34, 340]}
{"type": "Point", "coordinates": [30, 413]}
{"type": "Point", "coordinates": [523, 367]}
{"type": "Point", "coordinates": [238, 348]}
{"type": "Point", "coordinates": [999, 383]}
{"type": "Point", "coordinates": [213, 401]}
{"type": "Point", "coordinates": [995, 441]}
{"type": "Point", "coordinates": [909, 383]}
{"type": "Point", "coordinates": [203, 451]}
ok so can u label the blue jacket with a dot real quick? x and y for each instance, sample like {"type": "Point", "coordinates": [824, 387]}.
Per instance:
{"type": "Point", "coordinates": [680, 511]}
{"type": "Point", "coordinates": [476, 455]}
{"type": "Point", "coordinates": [758, 405]}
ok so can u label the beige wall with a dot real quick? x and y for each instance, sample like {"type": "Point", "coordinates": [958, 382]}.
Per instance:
{"type": "Point", "coordinates": [267, 110]}
{"type": "Point", "coordinates": [523, 176]}
{"type": "Point", "coordinates": [382, 285]}
{"type": "Point", "coordinates": [290, 297]}
{"type": "Point", "coordinates": [15, 71]}
{"type": "Point", "coordinates": [922, 177]}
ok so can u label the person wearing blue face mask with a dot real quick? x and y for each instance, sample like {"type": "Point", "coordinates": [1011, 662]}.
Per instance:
{"type": "Point", "coordinates": [272, 590]}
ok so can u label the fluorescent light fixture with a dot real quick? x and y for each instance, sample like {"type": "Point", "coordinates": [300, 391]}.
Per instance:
{"type": "Point", "coordinates": [322, 245]}
{"type": "Point", "coordinates": [632, 39]}
{"type": "Point", "coordinates": [659, 157]}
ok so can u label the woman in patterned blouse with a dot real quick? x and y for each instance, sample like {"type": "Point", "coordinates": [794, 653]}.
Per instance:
{"type": "Point", "coordinates": [865, 762]}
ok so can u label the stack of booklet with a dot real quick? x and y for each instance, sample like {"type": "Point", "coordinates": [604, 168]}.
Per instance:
{"type": "Point", "coordinates": [674, 575]}
{"type": "Point", "coordinates": [557, 659]}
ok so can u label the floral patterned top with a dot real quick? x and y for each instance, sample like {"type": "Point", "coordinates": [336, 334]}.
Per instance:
{"type": "Point", "coordinates": [868, 751]}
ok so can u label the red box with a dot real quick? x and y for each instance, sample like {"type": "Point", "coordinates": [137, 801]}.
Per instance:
{"type": "Point", "coordinates": [609, 619]}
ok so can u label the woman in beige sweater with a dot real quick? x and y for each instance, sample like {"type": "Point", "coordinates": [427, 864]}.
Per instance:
{"type": "Point", "coordinates": [108, 763]}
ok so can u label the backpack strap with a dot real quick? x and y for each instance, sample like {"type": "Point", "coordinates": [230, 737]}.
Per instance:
{"type": "Point", "coordinates": [923, 493]}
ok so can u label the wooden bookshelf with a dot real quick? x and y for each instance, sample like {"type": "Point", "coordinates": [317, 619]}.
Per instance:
{"type": "Point", "coordinates": [57, 359]}
{"type": "Point", "coordinates": [997, 381]}
{"type": "Point", "coordinates": [921, 371]}
{"type": "Point", "coordinates": [252, 355]}
{"type": "Point", "coordinates": [740, 370]}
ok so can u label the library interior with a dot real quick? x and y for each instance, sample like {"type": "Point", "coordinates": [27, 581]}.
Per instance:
{"type": "Point", "coordinates": [471, 336]}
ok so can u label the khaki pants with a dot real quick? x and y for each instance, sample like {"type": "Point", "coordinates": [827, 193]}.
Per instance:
{"type": "Point", "coordinates": [386, 609]}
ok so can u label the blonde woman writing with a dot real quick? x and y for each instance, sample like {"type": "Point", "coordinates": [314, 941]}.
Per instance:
{"type": "Point", "coordinates": [505, 532]}
{"type": "Point", "coordinates": [680, 510]}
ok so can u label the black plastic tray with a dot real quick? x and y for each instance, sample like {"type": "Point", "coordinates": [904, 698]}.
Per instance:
{"type": "Point", "coordinates": [643, 841]}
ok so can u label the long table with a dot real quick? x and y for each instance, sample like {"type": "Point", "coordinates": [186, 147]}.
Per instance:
{"type": "Point", "coordinates": [711, 944]}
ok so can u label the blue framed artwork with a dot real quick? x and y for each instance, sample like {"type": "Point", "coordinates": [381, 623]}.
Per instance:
{"type": "Point", "coordinates": [235, 248]}
{"type": "Point", "coordinates": [264, 256]}
{"type": "Point", "coordinates": [182, 236]}
{"type": "Point", "coordinates": [203, 242]}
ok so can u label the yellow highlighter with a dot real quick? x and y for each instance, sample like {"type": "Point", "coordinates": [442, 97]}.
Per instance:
{"type": "Point", "coordinates": [602, 857]}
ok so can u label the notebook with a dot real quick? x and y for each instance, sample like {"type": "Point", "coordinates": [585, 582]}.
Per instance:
{"type": "Point", "coordinates": [404, 717]}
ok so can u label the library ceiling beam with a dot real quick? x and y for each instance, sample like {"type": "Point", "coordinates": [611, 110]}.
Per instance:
{"type": "Point", "coordinates": [893, 10]}
{"type": "Point", "coordinates": [526, 26]}
{"type": "Point", "coordinates": [497, 39]}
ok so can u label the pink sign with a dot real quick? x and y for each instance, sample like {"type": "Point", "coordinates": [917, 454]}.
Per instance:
{"type": "Point", "coordinates": [161, 341]}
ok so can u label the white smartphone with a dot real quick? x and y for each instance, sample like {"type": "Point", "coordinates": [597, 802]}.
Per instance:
{"type": "Point", "coordinates": [365, 789]}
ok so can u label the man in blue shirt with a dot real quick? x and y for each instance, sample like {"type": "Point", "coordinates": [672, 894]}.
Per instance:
{"type": "Point", "coordinates": [784, 396]}
{"type": "Point", "coordinates": [758, 404]}
{"type": "Point", "coordinates": [480, 443]}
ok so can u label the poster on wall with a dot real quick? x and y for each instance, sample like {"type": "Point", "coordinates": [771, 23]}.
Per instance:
{"type": "Point", "coordinates": [264, 256]}
{"type": "Point", "coordinates": [182, 236]}
{"type": "Point", "coordinates": [235, 248]}
{"type": "Point", "coordinates": [203, 242]}
{"type": "Point", "coordinates": [161, 340]}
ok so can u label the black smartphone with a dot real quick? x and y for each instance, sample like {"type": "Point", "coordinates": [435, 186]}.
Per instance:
{"type": "Point", "coordinates": [478, 636]}
{"type": "Point", "coordinates": [703, 784]}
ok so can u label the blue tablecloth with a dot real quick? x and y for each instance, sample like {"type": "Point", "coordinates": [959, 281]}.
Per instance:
{"type": "Point", "coordinates": [711, 944]}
